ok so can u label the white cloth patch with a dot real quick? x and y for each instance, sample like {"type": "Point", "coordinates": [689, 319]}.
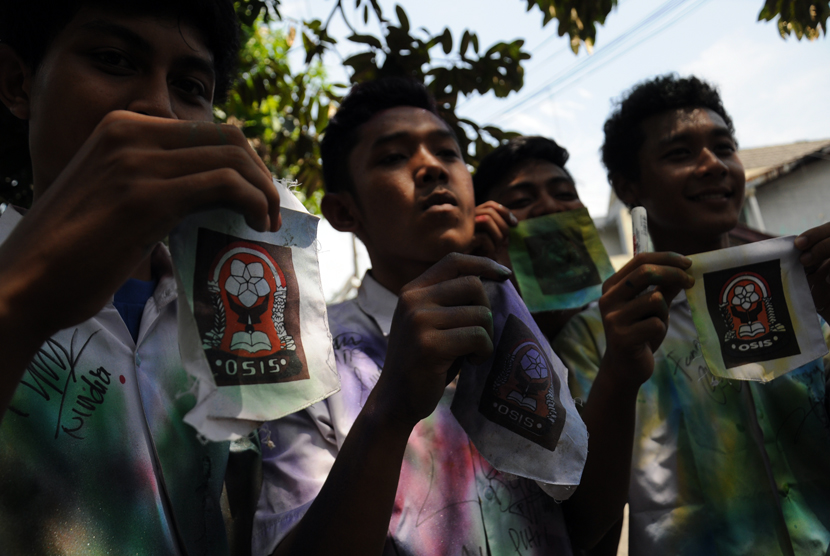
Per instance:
{"type": "Point", "coordinates": [516, 406]}
{"type": "Point", "coordinates": [753, 311]}
{"type": "Point", "coordinates": [254, 331]}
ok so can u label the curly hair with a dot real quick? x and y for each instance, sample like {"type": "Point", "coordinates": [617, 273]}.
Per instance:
{"type": "Point", "coordinates": [363, 102]}
{"type": "Point", "coordinates": [624, 135]}
{"type": "Point", "coordinates": [497, 166]}
{"type": "Point", "coordinates": [30, 26]}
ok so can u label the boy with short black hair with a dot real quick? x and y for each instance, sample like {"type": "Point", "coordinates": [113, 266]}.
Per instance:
{"type": "Point", "coordinates": [719, 466]}
{"type": "Point", "coordinates": [383, 466]}
{"type": "Point", "coordinates": [95, 457]}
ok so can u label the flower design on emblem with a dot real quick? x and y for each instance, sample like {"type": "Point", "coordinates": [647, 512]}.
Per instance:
{"type": "Point", "coordinates": [247, 282]}
{"type": "Point", "coordinates": [533, 365]}
{"type": "Point", "coordinates": [745, 296]}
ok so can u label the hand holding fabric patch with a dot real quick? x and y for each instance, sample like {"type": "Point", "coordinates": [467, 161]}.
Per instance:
{"type": "Point", "coordinates": [516, 406]}
{"type": "Point", "coordinates": [753, 311]}
{"type": "Point", "coordinates": [559, 261]}
{"type": "Point", "coordinates": [254, 332]}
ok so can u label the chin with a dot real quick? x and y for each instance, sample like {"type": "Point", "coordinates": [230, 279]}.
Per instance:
{"type": "Point", "coordinates": [451, 241]}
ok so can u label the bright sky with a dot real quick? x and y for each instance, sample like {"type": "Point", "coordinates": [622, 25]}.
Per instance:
{"type": "Point", "coordinates": [775, 90]}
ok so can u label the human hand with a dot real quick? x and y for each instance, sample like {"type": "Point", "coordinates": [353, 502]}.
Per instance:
{"type": "Point", "coordinates": [815, 247]}
{"type": "Point", "coordinates": [635, 324]}
{"type": "Point", "coordinates": [492, 228]}
{"type": "Point", "coordinates": [129, 184]}
{"type": "Point", "coordinates": [441, 315]}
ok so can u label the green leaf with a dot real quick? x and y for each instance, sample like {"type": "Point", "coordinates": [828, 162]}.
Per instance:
{"type": "Point", "coordinates": [374, 42]}
{"type": "Point", "coordinates": [446, 40]}
{"type": "Point", "coordinates": [402, 17]}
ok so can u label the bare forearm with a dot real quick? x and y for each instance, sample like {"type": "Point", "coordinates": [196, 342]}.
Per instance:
{"type": "Point", "coordinates": [18, 345]}
{"type": "Point", "coordinates": [599, 501]}
{"type": "Point", "coordinates": [351, 514]}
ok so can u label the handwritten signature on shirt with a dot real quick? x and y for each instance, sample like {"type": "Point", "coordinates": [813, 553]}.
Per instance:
{"type": "Point", "coordinates": [54, 372]}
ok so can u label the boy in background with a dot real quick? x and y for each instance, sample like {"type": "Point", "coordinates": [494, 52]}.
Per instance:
{"type": "Point", "coordinates": [524, 178]}
{"type": "Point", "coordinates": [719, 466]}
{"type": "Point", "coordinates": [117, 97]}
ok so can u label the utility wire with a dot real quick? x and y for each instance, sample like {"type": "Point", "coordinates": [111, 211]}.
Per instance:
{"type": "Point", "coordinates": [601, 56]}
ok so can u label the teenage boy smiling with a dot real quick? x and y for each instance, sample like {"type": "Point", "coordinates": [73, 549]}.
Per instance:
{"type": "Point", "coordinates": [117, 97]}
{"type": "Point", "coordinates": [383, 467]}
{"type": "Point", "coordinates": [719, 466]}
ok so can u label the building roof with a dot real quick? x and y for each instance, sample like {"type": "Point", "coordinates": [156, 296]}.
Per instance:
{"type": "Point", "coordinates": [765, 160]}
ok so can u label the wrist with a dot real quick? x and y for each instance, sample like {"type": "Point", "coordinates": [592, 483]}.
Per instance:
{"type": "Point", "coordinates": [622, 374]}
{"type": "Point", "coordinates": [383, 420]}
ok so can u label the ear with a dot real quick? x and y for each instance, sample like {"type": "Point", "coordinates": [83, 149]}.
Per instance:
{"type": "Point", "coordinates": [342, 213]}
{"type": "Point", "coordinates": [628, 191]}
{"type": "Point", "coordinates": [15, 82]}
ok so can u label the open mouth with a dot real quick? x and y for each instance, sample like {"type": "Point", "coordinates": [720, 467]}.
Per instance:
{"type": "Point", "coordinates": [440, 200]}
{"type": "Point", "coordinates": [713, 196]}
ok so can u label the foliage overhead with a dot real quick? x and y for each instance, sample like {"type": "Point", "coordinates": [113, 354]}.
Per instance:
{"type": "Point", "coordinates": [803, 18]}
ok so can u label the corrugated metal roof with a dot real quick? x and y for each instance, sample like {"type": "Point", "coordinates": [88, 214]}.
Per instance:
{"type": "Point", "coordinates": [761, 160]}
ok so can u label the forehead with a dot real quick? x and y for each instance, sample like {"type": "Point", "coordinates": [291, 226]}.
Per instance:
{"type": "Point", "coordinates": [536, 170]}
{"type": "Point", "coordinates": [401, 122]}
{"type": "Point", "coordinates": [682, 122]}
{"type": "Point", "coordinates": [155, 33]}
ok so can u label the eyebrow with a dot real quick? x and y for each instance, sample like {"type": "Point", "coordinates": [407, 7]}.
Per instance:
{"type": "Point", "coordinates": [119, 31]}
{"type": "Point", "coordinates": [391, 137]}
{"type": "Point", "coordinates": [139, 43]}
{"type": "Point", "coordinates": [678, 137]}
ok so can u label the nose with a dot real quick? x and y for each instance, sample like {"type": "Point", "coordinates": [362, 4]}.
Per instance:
{"type": "Point", "coordinates": [710, 165]}
{"type": "Point", "coordinates": [152, 97]}
{"type": "Point", "coordinates": [430, 170]}
{"type": "Point", "coordinates": [546, 204]}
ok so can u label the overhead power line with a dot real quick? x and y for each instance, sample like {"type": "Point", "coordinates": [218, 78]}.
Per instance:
{"type": "Point", "coordinates": [620, 45]}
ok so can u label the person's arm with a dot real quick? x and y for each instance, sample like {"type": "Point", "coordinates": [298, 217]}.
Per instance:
{"type": "Point", "coordinates": [635, 325]}
{"type": "Point", "coordinates": [815, 247]}
{"type": "Point", "coordinates": [442, 315]}
{"type": "Point", "coordinates": [130, 183]}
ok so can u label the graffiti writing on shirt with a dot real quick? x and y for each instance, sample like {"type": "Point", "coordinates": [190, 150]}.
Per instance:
{"type": "Point", "coordinates": [714, 387]}
{"type": "Point", "coordinates": [516, 496]}
{"type": "Point", "coordinates": [793, 424]}
{"type": "Point", "coordinates": [347, 340]}
{"type": "Point", "coordinates": [53, 372]}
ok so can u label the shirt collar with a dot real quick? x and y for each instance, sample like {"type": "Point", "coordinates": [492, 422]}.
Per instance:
{"type": "Point", "coordinates": [377, 302]}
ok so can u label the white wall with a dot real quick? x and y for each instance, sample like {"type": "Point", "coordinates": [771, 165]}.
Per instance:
{"type": "Point", "coordinates": [797, 201]}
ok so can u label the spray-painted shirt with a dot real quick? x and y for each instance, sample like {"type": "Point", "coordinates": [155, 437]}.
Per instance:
{"type": "Point", "coordinates": [720, 467]}
{"type": "Point", "coordinates": [94, 455]}
{"type": "Point", "coordinates": [450, 501]}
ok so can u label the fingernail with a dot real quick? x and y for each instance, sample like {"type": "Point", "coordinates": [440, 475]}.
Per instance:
{"type": "Point", "coordinates": [800, 242]}
{"type": "Point", "coordinates": [513, 219]}
{"type": "Point", "coordinates": [806, 258]}
{"type": "Point", "coordinates": [504, 270]}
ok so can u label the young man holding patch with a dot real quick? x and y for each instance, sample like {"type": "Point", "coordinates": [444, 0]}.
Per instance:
{"type": "Point", "coordinates": [719, 466]}
{"type": "Point", "coordinates": [524, 178]}
{"type": "Point", "coordinates": [383, 467]}
{"type": "Point", "coordinates": [116, 100]}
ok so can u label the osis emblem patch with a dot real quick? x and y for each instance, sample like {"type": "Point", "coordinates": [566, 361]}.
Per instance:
{"type": "Point", "coordinates": [246, 306]}
{"type": "Point", "coordinates": [750, 313]}
{"type": "Point", "coordinates": [522, 390]}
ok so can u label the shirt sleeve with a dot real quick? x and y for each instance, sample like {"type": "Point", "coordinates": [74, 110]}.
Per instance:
{"type": "Point", "coordinates": [298, 452]}
{"type": "Point", "coordinates": [580, 346]}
